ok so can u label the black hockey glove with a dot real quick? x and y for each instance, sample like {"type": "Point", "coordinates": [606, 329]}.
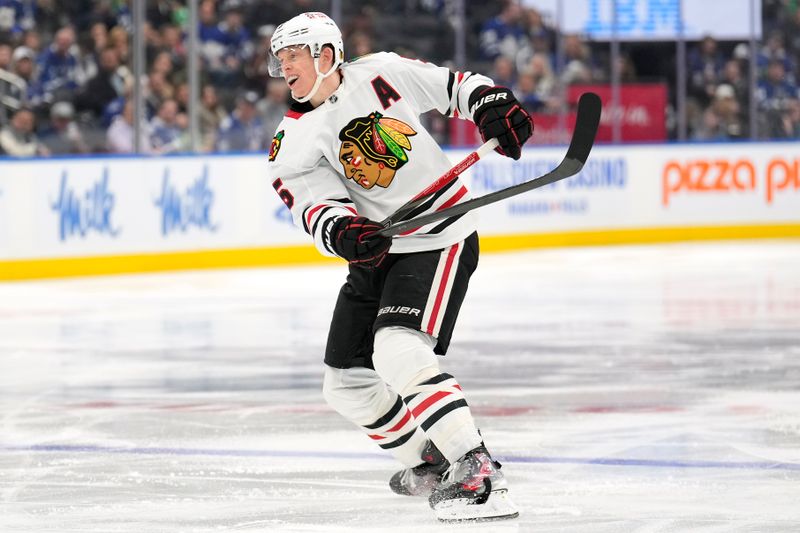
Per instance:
{"type": "Point", "coordinates": [355, 239]}
{"type": "Point", "coordinates": [497, 113]}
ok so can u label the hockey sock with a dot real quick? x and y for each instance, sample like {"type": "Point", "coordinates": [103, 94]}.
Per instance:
{"type": "Point", "coordinates": [361, 396]}
{"type": "Point", "coordinates": [404, 358]}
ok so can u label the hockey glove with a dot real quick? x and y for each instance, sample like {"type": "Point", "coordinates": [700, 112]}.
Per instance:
{"type": "Point", "coordinates": [497, 113]}
{"type": "Point", "coordinates": [355, 239]}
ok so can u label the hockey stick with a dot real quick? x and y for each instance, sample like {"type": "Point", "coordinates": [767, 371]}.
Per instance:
{"type": "Point", "coordinates": [443, 180]}
{"type": "Point", "coordinates": [586, 123]}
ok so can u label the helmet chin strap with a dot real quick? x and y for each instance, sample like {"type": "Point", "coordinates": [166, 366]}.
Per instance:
{"type": "Point", "coordinates": [316, 85]}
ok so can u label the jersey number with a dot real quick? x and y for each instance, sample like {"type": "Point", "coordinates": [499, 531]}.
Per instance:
{"type": "Point", "coordinates": [285, 195]}
{"type": "Point", "coordinates": [386, 93]}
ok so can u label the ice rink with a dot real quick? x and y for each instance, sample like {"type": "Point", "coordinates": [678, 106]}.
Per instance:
{"type": "Point", "coordinates": [625, 389]}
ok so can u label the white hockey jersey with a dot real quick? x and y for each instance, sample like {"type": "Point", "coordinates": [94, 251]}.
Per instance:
{"type": "Point", "coordinates": [364, 151]}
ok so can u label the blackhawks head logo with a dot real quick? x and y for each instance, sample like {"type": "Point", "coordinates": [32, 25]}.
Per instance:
{"type": "Point", "coordinates": [374, 148]}
{"type": "Point", "coordinates": [276, 145]}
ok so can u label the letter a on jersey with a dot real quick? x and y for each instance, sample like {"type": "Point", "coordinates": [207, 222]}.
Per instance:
{"type": "Point", "coordinates": [386, 93]}
{"type": "Point", "coordinates": [374, 148]}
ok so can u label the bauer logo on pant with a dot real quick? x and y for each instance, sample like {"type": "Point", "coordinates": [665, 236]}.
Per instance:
{"type": "Point", "coordinates": [400, 310]}
{"type": "Point", "coordinates": [374, 148]}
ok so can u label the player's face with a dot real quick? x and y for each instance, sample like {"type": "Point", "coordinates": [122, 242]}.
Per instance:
{"type": "Point", "coordinates": [297, 66]}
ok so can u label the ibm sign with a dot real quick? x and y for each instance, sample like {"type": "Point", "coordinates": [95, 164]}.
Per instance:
{"type": "Point", "coordinates": [653, 20]}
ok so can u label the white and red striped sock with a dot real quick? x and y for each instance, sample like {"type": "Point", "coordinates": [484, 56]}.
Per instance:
{"type": "Point", "coordinates": [440, 408]}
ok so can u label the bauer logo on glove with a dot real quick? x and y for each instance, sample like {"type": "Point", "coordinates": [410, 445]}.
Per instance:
{"type": "Point", "coordinates": [498, 114]}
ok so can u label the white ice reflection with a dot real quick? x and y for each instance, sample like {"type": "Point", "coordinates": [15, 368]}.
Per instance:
{"type": "Point", "coordinates": [626, 389]}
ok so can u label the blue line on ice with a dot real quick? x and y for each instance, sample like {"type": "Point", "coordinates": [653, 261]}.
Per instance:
{"type": "Point", "coordinates": [652, 463]}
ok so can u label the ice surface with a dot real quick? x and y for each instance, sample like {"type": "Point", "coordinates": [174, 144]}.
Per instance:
{"type": "Point", "coordinates": [625, 389]}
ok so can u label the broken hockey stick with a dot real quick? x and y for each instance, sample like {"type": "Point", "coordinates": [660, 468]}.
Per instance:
{"type": "Point", "coordinates": [586, 123]}
{"type": "Point", "coordinates": [443, 180]}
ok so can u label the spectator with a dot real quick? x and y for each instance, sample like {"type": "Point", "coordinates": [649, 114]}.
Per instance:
{"type": "Point", "coordinates": [504, 34]}
{"type": "Point", "coordinates": [165, 132]}
{"type": "Point", "coordinates": [732, 75]}
{"type": "Point", "coordinates": [182, 95]}
{"type": "Point", "coordinates": [166, 128]}
{"type": "Point", "coordinates": [525, 91]}
{"type": "Point", "coordinates": [158, 90]}
{"type": "Point", "coordinates": [172, 41]}
{"type": "Point", "coordinates": [212, 48]}
{"type": "Point", "coordinates": [503, 72]}
{"type": "Point", "coordinates": [775, 88]}
{"type": "Point", "coordinates": [257, 68]}
{"type": "Point", "coordinates": [162, 63]}
{"type": "Point", "coordinates": [211, 116]}
{"type": "Point", "coordinates": [541, 38]}
{"type": "Point", "coordinates": [722, 120]}
{"type": "Point", "coordinates": [274, 105]}
{"type": "Point", "coordinates": [58, 68]}
{"type": "Point", "coordinates": [64, 136]}
{"type": "Point", "coordinates": [100, 37]}
{"type": "Point", "coordinates": [791, 121]}
{"type": "Point", "coordinates": [774, 51]}
{"type": "Point", "coordinates": [242, 130]}
{"type": "Point", "coordinates": [24, 66]}
{"type": "Point", "coordinates": [107, 85]}
{"type": "Point", "coordinates": [577, 65]}
{"type": "Point", "coordinates": [705, 64]}
{"type": "Point", "coordinates": [5, 56]}
{"type": "Point", "coordinates": [119, 39]}
{"type": "Point", "coordinates": [791, 31]}
{"type": "Point", "coordinates": [360, 43]}
{"type": "Point", "coordinates": [236, 40]}
{"type": "Point", "coordinates": [32, 40]}
{"type": "Point", "coordinates": [542, 71]}
{"type": "Point", "coordinates": [774, 95]}
{"type": "Point", "coordinates": [120, 136]}
{"type": "Point", "coordinates": [13, 89]}
{"type": "Point", "coordinates": [18, 139]}
{"type": "Point", "coordinates": [15, 16]}
{"type": "Point", "coordinates": [627, 70]}
{"type": "Point", "coordinates": [159, 12]}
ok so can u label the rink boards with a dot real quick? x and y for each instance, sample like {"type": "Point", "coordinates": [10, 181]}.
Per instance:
{"type": "Point", "coordinates": [83, 216]}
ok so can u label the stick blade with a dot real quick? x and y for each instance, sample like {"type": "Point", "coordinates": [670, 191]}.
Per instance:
{"type": "Point", "coordinates": [586, 124]}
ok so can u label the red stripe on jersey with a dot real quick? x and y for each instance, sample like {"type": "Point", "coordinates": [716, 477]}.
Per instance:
{"type": "Point", "coordinates": [400, 424]}
{"type": "Point", "coordinates": [293, 114]}
{"type": "Point", "coordinates": [455, 107]}
{"type": "Point", "coordinates": [377, 437]}
{"type": "Point", "coordinates": [320, 206]}
{"type": "Point", "coordinates": [430, 401]}
{"type": "Point", "coordinates": [452, 201]}
{"type": "Point", "coordinates": [440, 293]}
{"type": "Point", "coordinates": [311, 214]}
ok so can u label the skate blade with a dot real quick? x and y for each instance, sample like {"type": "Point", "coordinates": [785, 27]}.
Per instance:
{"type": "Point", "coordinates": [497, 507]}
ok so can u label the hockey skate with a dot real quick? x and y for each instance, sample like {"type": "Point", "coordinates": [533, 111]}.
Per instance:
{"type": "Point", "coordinates": [473, 488]}
{"type": "Point", "coordinates": [421, 480]}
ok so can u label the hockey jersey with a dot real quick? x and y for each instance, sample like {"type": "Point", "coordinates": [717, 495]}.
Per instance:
{"type": "Point", "coordinates": [364, 151]}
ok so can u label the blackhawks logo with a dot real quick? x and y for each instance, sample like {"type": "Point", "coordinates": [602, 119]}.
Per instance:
{"type": "Point", "coordinates": [276, 145]}
{"type": "Point", "coordinates": [374, 148]}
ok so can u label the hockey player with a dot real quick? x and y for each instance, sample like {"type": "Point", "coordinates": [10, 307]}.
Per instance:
{"type": "Point", "coordinates": [351, 151]}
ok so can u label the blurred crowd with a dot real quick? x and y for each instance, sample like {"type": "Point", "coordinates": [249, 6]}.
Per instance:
{"type": "Point", "coordinates": [66, 69]}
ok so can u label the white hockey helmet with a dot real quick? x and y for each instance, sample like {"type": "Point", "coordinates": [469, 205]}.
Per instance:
{"type": "Point", "coordinates": [312, 29]}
